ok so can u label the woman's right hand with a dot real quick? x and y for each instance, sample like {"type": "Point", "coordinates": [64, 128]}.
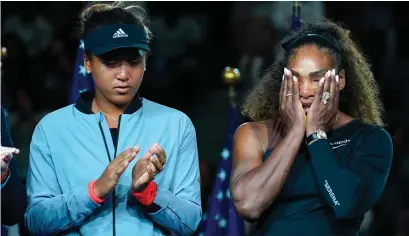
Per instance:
{"type": "Point", "coordinates": [291, 110]}
{"type": "Point", "coordinates": [108, 180]}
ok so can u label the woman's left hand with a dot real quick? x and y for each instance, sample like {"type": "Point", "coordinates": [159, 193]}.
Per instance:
{"type": "Point", "coordinates": [323, 111]}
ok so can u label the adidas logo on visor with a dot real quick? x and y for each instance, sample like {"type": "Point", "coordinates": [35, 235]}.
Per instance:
{"type": "Point", "coordinates": [119, 34]}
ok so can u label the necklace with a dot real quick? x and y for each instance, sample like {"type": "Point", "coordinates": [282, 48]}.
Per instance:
{"type": "Point", "coordinates": [112, 118]}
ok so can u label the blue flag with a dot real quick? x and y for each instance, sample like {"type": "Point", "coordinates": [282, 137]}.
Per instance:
{"type": "Point", "coordinates": [221, 218]}
{"type": "Point", "coordinates": [81, 81]}
{"type": "Point", "coordinates": [296, 17]}
{"type": "Point", "coordinates": [296, 23]}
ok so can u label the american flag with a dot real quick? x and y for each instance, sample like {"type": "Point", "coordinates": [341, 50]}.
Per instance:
{"type": "Point", "coordinates": [221, 218]}
{"type": "Point", "coordinates": [81, 80]}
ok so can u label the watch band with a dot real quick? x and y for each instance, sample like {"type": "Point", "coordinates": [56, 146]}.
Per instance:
{"type": "Point", "coordinates": [318, 134]}
{"type": "Point", "coordinates": [311, 137]}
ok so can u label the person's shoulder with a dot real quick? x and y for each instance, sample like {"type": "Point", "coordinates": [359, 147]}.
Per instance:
{"type": "Point", "coordinates": [57, 116]}
{"type": "Point", "coordinates": [256, 137]}
{"type": "Point", "coordinates": [259, 130]}
{"type": "Point", "coordinates": [155, 110]}
{"type": "Point", "coordinates": [377, 133]}
{"type": "Point", "coordinates": [372, 135]}
{"type": "Point", "coordinates": [377, 142]}
{"type": "Point", "coordinates": [51, 122]}
{"type": "Point", "coordinates": [152, 107]}
{"type": "Point", "coordinates": [253, 126]}
{"type": "Point", "coordinates": [370, 131]}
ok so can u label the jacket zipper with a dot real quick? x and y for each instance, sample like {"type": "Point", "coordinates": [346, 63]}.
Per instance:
{"type": "Point", "coordinates": [110, 159]}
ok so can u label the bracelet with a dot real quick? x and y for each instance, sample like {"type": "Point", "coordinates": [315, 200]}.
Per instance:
{"type": "Point", "coordinates": [92, 195]}
{"type": "Point", "coordinates": [148, 195]}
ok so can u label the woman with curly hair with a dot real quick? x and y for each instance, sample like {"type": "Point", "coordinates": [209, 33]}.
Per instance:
{"type": "Point", "coordinates": [315, 158]}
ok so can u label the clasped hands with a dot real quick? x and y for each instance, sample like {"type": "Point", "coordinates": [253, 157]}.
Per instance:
{"type": "Point", "coordinates": [323, 110]}
{"type": "Point", "coordinates": [144, 171]}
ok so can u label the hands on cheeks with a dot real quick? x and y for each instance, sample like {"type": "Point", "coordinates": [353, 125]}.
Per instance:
{"type": "Point", "coordinates": [323, 111]}
{"type": "Point", "coordinates": [291, 110]}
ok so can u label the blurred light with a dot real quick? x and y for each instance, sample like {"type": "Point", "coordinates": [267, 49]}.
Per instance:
{"type": "Point", "coordinates": [231, 76]}
{"type": "Point", "coordinates": [3, 51]}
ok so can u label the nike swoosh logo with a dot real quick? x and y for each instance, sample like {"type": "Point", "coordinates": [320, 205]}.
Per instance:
{"type": "Point", "coordinates": [339, 146]}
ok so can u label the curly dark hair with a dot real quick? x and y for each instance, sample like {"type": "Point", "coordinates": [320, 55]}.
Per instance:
{"type": "Point", "coordinates": [360, 98]}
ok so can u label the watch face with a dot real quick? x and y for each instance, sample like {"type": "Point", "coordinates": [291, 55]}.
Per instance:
{"type": "Point", "coordinates": [321, 134]}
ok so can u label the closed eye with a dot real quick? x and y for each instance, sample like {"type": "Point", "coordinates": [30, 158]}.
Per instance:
{"type": "Point", "coordinates": [111, 63]}
{"type": "Point", "coordinates": [135, 62]}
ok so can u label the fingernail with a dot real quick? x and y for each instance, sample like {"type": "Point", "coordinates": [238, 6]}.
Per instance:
{"type": "Point", "coordinates": [286, 71]}
{"type": "Point", "coordinates": [337, 78]}
{"type": "Point", "coordinates": [322, 81]}
{"type": "Point", "coordinates": [283, 77]}
{"type": "Point", "coordinates": [295, 79]}
{"type": "Point", "coordinates": [333, 72]}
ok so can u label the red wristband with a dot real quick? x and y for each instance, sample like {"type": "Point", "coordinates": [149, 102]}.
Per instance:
{"type": "Point", "coordinates": [92, 193]}
{"type": "Point", "coordinates": [4, 175]}
{"type": "Point", "coordinates": [147, 196]}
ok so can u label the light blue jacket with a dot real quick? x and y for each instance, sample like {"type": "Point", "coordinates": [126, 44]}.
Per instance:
{"type": "Point", "coordinates": [67, 151]}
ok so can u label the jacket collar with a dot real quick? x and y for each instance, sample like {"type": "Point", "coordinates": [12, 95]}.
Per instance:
{"type": "Point", "coordinates": [84, 103]}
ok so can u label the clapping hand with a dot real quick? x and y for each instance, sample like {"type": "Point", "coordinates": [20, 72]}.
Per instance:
{"type": "Point", "coordinates": [148, 167]}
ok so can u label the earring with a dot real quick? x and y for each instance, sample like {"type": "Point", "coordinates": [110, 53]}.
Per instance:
{"type": "Point", "coordinates": [88, 72]}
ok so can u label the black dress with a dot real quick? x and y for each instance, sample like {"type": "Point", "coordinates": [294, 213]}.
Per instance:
{"type": "Point", "coordinates": [332, 184]}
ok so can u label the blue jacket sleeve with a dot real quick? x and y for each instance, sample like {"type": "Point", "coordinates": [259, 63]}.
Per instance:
{"type": "Point", "coordinates": [50, 211]}
{"type": "Point", "coordinates": [353, 190]}
{"type": "Point", "coordinates": [13, 190]}
{"type": "Point", "coordinates": [181, 208]}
